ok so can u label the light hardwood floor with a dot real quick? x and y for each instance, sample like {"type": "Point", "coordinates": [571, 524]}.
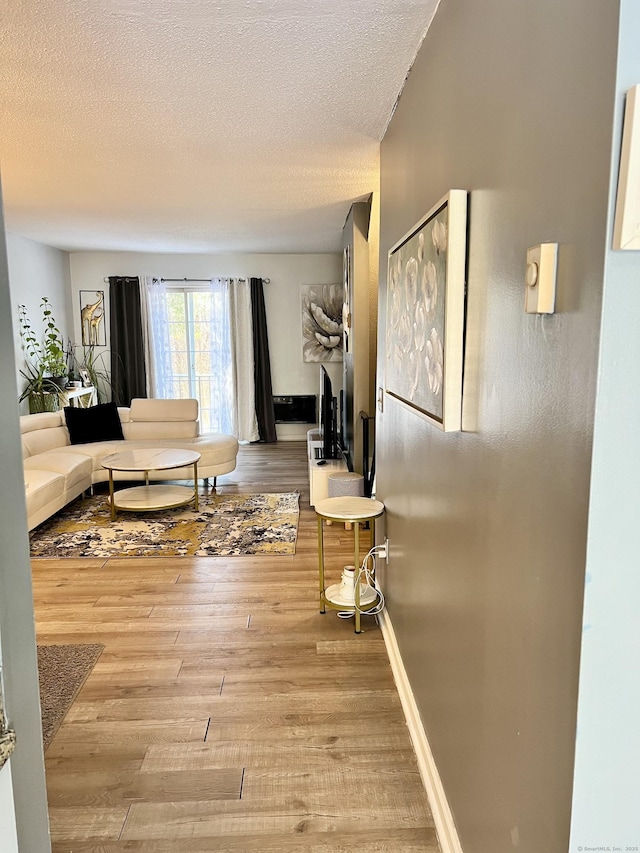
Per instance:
{"type": "Point", "coordinates": [225, 713]}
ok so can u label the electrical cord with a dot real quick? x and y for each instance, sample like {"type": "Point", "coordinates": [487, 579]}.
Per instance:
{"type": "Point", "coordinates": [367, 576]}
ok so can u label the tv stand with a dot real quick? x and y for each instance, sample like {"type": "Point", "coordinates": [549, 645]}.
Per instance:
{"type": "Point", "coordinates": [319, 474]}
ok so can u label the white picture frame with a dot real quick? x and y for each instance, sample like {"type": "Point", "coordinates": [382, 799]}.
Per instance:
{"type": "Point", "coordinates": [425, 314]}
{"type": "Point", "coordinates": [626, 228]}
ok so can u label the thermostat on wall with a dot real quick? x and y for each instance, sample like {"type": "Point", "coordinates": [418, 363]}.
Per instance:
{"type": "Point", "coordinates": [542, 262]}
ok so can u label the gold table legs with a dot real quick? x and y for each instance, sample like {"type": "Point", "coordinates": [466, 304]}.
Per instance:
{"type": "Point", "coordinates": [356, 557]}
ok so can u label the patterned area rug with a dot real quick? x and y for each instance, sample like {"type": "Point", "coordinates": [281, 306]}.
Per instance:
{"type": "Point", "coordinates": [224, 526]}
{"type": "Point", "coordinates": [62, 670]}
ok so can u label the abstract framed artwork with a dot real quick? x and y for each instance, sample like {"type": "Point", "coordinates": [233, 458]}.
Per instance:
{"type": "Point", "coordinates": [346, 308]}
{"type": "Point", "coordinates": [425, 314]}
{"type": "Point", "coordinates": [322, 322]}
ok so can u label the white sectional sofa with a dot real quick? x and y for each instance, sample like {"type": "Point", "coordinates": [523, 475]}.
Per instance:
{"type": "Point", "coordinates": [56, 471]}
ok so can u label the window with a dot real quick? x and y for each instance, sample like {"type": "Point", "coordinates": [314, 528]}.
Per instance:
{"type": "Point", "coordinates": [200, 354]}
{"type": "Point", "coordinates": [200, 345]}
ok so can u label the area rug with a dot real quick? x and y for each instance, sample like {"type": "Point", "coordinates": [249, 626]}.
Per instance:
{"type": "Point", "coordinates": [62, 670]}
{"type": "Point", "coordinates": [224, 526]}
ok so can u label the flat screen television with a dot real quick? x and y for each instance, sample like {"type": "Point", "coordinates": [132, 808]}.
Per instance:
{"type": "Point", "coordinates": [327, 416]}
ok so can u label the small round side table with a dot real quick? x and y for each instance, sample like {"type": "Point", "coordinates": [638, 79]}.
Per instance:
{"type": "Point", "coordinates": [348, 509]}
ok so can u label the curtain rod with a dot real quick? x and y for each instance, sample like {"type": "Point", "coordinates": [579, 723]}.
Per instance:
{"type": "Point", "coordinates": [206, 280]}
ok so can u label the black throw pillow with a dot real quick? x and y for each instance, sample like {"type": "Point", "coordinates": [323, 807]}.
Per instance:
{"type": "Point", "coordinates": [97, 423]}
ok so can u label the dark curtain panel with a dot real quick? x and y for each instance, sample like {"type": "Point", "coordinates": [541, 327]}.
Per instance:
{"type": "Point", "coordinates": [128, 375]}
{"type": "Point", "coordinates": [262, 370]}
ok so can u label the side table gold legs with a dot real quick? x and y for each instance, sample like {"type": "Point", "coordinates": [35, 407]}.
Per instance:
{"type": "Point", "coordinates": [356, 511]}
{"type": "Point", "coordinates": [321, 562]}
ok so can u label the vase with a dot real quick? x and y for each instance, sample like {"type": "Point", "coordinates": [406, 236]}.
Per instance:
{"type": "Point", "coordinates": [59, 381]}
{"type": "Point", "coordinates": [43, 402]}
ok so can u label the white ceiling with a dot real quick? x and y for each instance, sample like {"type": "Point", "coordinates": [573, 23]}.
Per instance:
{"type": "Point", "coordinates": [197, 125]}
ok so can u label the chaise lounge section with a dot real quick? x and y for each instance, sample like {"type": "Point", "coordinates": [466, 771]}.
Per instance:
{"type": "Point", "coordinates": [56, 471]}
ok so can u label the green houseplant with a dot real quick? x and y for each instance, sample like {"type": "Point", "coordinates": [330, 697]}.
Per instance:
{"type": "Point", "coordinates": [45, 370]}
{"type": "Point", "coordinates": [92, 362]}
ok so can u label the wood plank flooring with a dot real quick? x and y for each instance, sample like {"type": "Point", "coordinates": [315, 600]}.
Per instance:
{"type": "Point", "coordinates": [225, 713]}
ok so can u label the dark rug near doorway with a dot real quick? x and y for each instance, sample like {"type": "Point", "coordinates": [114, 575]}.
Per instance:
{"type": "Point", "coordinates": [62, 670]}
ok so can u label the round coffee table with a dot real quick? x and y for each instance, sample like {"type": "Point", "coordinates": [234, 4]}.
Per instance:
{"type": "Point", "coordinates": [158, 495]}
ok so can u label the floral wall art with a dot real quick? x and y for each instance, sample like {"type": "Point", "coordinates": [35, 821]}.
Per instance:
{"type": "Point", "coordinates": [425, 314]}
{"type": "Point", "coordinates": [322, 322]}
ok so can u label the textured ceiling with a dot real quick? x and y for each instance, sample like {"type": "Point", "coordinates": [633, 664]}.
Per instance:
{"type": "Point", "coordinates": [197, 125]}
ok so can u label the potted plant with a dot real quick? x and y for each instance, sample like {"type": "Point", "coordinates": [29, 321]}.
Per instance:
{"type": "Point", "coordinates": [53, 357]}
{"type": "Point", "coordinates": [45, 370]}
{"type": "Point", "coordinates": [92, 364]}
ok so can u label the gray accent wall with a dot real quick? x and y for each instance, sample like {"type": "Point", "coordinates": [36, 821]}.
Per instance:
{"type": "Point", "coordinates": [488, 526]}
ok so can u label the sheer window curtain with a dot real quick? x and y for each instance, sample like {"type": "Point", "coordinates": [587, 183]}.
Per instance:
{"type": "Point", "coordinates": [203, 348]}
{"type": "Point", "coordinates": [243, 359]}
{"type": "Point", "coordinates": [155, 326]}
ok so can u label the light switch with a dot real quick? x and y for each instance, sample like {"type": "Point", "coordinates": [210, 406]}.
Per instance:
{"type": "Point", "coordinates": [540, 277]}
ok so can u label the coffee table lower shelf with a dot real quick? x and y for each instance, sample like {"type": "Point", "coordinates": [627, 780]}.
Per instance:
{"type": "Point", "coordinates": [154, 497]}
{"type": "Point", "coordinates": [157, 496]}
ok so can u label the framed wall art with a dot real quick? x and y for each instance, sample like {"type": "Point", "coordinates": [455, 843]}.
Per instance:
{"type": "Point", "coordinates": [92, 318]}
{"type": "Point", "coordinates": [626, 228]}
{"type": "Point", "coordinates": [346, 308]}
{"type": "Point", "coordinates": [425, 314]}
{"type": "Point", "coordinates": [322, 322]}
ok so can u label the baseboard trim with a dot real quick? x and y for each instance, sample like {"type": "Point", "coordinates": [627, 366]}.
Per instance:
{"type": "Point", "coordinates": [442, 817]}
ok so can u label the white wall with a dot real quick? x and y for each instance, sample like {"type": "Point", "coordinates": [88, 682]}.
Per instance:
{"type": "Point", "coordinates": [36, 270]}
{"type": "Point", "coordinates": [7, 815]}
{"type": "Point", "coordinates": [290, 375]}
{"type": "Point", "coordinates": [17, 629]}
{"type": "Point", "coordinates": [605, 807]}
{"type": "Point", "coordinates": [8, 832]}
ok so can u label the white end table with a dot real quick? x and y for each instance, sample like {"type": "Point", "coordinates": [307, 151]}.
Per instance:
{"type": "Point", "coordinates": [81, 398]}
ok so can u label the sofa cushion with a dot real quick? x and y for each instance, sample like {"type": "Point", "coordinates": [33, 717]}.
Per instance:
{"type": "Point", "coordinates": [158, 419]}
{"type": "Point", "coordinates": [43, 431]}
{"type": "Point", "coordinates": [41, 440]}
{"type": "Point", "coordinates": [43, 420]}
{"type": "Point", "coordinates": [75, 468]}
{"type": "Point", "coordinates": [95, 451]}
{"type": "Point", "coordinates": [42, 487]}
{"type": "Point", "coordinates": [151, 430]}
{"type": "Point", "coordinates": [97, 423]}
{"type": "Point", "coordinates": [164, 410]}
{"type": "Point", "coordinates": [214, 448]}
